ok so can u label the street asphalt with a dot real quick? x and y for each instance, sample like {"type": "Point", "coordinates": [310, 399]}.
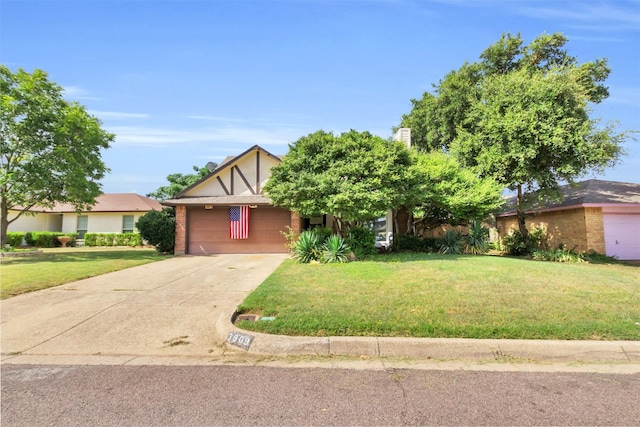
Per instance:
{"type": "Point", "coordinates": [178, 312]}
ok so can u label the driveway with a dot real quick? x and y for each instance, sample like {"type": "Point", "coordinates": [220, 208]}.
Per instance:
{"type": "Point", "coordinates": [176, 307]}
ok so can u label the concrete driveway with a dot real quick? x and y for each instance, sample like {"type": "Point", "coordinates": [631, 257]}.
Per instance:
{"type": "Point", "coordinates": [176, 307]}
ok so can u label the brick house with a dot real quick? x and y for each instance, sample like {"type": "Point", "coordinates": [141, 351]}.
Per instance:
{"type": "Point", "coordinates": [603, 216]}
{"type": "Point", "coordinates": [208, 211]}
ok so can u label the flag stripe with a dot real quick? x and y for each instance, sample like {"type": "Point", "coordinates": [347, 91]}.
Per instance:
{"type": "Point", "coordinates": [239, 222]}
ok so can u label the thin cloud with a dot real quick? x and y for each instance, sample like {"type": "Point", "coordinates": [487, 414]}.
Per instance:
{"type": "Point", "coordinates": [76, 92]}
{"type": "Point", "coordinates": [118, 115]}
{"type": "Point", "coordinates": [156, 137]}
{"type": "Point", "coordinates": [603, 17]}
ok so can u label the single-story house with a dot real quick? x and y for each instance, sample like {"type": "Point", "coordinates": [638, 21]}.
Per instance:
{"type": "Point", "coordinates": [603, 216]}
{"type": "Point", "coordinates": [112, 213]}
{"type": "Point", "coordinates": [227, 212]}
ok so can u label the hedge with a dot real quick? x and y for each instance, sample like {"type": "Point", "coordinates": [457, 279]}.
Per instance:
{"type": "Point", "coordinates": [14, 238]}
{"type": "Point", "coordinates": [48, 239]}
{"type": "Point", "coordinates": [112, 239]}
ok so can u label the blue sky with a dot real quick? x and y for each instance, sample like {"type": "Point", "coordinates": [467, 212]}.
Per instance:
{"type": "Point", "coordinates": [182, 83]}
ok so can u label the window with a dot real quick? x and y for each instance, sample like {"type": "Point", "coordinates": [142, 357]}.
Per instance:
{"type": "Point", "coordinates": [83, 222]}
{"type": "Point", "coordinates": [127, 223]}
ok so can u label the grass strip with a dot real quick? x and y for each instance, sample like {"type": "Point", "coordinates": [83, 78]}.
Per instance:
{"type": "Point", "coordinates": [63, 265]}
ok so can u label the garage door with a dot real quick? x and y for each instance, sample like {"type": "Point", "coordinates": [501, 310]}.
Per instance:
{"type": "Point", "coordinates": [208, 231]}
{"type": "Point", "coordinates": [622, 235]}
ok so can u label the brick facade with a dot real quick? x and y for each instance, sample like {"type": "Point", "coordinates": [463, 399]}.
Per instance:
{"type": "Point", "coordinates": [181, 230]}
{"type": "Point", "coordinates": [580, 229]}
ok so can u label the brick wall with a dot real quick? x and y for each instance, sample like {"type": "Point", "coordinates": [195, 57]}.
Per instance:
{"type": "Point", "coordinates": [181, 230]}
{"type": "Point", "coordinates": [580, 229]}
{"type": "Point", "coordinates": [296, 223]}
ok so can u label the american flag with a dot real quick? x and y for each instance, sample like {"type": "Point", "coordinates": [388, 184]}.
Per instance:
{"type": "Point", "coordinates": [239, 222]}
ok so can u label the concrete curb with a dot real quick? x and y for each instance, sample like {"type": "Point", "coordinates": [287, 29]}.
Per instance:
{"type": "Point", "coordinates": [439, 348]}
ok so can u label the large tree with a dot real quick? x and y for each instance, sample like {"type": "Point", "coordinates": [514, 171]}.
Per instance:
{"type": "Point", "coordinates": [355, 177]}
{"type": "Point", "coordinates": [521, 115]}
{"type": "Point", "coordinates": [50, 149]}
{"type": "Point", "coordinates": [179, 181]}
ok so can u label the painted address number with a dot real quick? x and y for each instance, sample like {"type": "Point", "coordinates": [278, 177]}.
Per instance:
{"type": "Point", "coordinates": [240, 340]}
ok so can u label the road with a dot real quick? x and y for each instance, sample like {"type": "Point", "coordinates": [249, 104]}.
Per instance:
{"type": "Point", "coordinates": [61, 395]}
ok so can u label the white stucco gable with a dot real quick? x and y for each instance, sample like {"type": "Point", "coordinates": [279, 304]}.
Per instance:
{"type": "Point", "coordinates": [244, 175]}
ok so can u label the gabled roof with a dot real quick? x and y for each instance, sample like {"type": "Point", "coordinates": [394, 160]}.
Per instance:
{"type": "Point", "coordinates": [590, 193]}
{"type": "Point", "coordinates": [110, 202]}
{"type": "Point", "coordinates": [182, 199]}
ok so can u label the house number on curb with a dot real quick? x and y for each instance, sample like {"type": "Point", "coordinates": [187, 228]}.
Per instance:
{"type": "Point", "coordinates": [240, 340]}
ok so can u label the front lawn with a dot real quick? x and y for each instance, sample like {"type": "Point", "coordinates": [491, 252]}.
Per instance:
{"type": "Point", "coordinates": [62, 265]}
{"type": "Point", "coordinates": [422, 295]}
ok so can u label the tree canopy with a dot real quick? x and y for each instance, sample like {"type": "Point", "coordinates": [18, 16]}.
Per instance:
{"type": "Point", "coordinates": [520, 115]}
{"type": "Point", "coordinates": [178, 182]}
{"type": "Point", "coordinates": [355, 177]}
{"type": "Point", "coordinates": [50, 149]}
{"type": "Point", "coordinates": [453, 194]}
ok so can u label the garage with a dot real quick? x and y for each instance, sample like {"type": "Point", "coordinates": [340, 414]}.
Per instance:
{"type": "Point", "coordinates": [208, 231]}
{"type": "Point", "coordinates": [622, 235]}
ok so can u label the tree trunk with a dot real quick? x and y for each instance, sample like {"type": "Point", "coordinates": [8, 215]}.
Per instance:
{"type": "Point", "coordinates": [521, 215]}
{"type": "Point", "coordinates": [4, 221]}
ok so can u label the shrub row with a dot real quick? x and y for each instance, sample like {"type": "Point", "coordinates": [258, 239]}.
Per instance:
{"type": "Point", "coordinates": [14, 238]}
{"type": "Point", "coordinates": [112, 239]}
{"type": "Point", "coordinates": [48, 239]}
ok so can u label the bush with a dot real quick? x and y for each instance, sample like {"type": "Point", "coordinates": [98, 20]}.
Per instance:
{"type": "Point", "coordinates": [48, 239]}
{"type": "Point", "coordinates": [411, 243]}
{"type": "Point", "coordinates": [594, 257]}
{"type": "Point", "coordinates": [159, 229]}
{"type": "Point", "coordinates": [335, 249]}
{"type": "Point", "coordinates": [362, 241]}
{"type": "Point", "coordinates": [14, 238]}
{"type": "Point", "coordinates": [514, 244]}
{"type": "Point", "coordinates": [112, 239]}
{"type": "Point", "coordinates": [477, 241]}
{"type": "Point", "coordinates": [556, 255]}
{"type": "Point", "coordinates": [451, 243]}
{"type": "Point", "coordinates": [308, 247]}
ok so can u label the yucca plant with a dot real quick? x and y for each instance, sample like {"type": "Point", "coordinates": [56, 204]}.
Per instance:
{"type": "Point", "coordinates": [478, 239]}
{"type": "Point", "coordinates": [451, 242]}
{"type": "Point", "coordinates": [335, 249]}
{"type": "Point", "coordinates": [308, 247]}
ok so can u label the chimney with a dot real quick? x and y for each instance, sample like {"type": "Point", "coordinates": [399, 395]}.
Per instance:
{"type": "Point", "coordinates": [404, 135]}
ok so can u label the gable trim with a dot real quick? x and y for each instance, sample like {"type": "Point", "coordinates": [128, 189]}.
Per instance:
{"type": "Point", "coordinates": [244, 179]}
{"type": "Point", "coordinates": [224, 187]}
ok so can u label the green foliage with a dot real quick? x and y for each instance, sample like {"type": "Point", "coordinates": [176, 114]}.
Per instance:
{"type": "Point", "coordinates": [538, 239]}
{"type": "Point", "coordinates": [477, 241]}
{"type": "Point", "coordinates": [308, 247]}
{"type": "Point", "coordinates": [520, 115]}
{"type": "Point", "coordinates": [158, 228]}
{"type": "Point", "coordinates": [323, 233]}
{"type": "Point", "coordinates": [412, 243]}
{"type": "Point", "coordinates": [291, 237]}
{"type": "Point", "coordinates": [556, 255]}
{"type": "Point", "coordinates": [454, 195]}
{"type": "Point", "coordinates": [50, 149]}
{"type": "Point", "coordinates": [335, 249]}
{"type": "Point", "coordinates": [452, 243]}
{"type": "Point", "coordinates": [179, 182]}
{"type": "Point", "coordinates": [355, 177]}
{"type": "Point", "coordinates": [594, 257]}
{"type": "Point", "coordinates": [112, 239]}
{"type": "Point", "coordinates": [362, 241]}
{"type": "Point", "coordinates": [14, 238]}
{"type": "Point", "coordinates": [515, 244]}
{"type": "Point", "coordinates": [48, 239]}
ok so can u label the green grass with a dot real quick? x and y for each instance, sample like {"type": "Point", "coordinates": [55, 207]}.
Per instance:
{"type": "Point", "coordinates": [423, 295]}
{"type": "Point", "coordinates": [63, 265]}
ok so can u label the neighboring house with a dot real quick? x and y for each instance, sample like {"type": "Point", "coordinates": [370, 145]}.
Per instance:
{"type": "Point", "coordinates": [603, 216]}
{"type": "Point", "coordinates": [227, 212]}
{"type": "Point", "coordinates": [112, 213]}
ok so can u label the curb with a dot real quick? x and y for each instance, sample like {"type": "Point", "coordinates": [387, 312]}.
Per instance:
{"type": "Point", "coordinates": [508, 350]}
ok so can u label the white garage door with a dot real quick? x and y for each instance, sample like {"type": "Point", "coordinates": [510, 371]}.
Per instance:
{"type": "Point", "coordinates": [622, 235]}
